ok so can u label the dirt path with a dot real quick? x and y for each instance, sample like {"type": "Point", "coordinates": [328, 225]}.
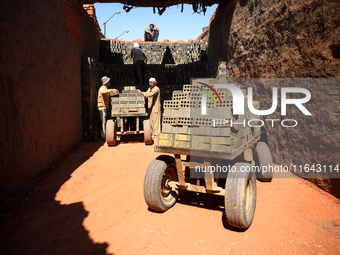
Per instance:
{"type": "Point", "coordinates": [92, 203]}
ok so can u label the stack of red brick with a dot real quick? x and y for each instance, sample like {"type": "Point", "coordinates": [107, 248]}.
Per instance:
{"type": "Point", "coordinates": [91, 10]}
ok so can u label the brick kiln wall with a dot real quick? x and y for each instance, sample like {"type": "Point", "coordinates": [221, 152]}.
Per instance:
{"type": "Point", "coordinates": [118, 52]}
{"type": "Point", "coordinates": [172, 64]}
{"type": "Point", "coordinates": [41, 45]}
{"type": "Point", "coordinates": [288, 39]}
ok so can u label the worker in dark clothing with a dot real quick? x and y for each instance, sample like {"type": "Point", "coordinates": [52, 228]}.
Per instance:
{"type": "Point", "coordinates": [151, 34]}
{"type": "Point", "coordinates": [139, 57]}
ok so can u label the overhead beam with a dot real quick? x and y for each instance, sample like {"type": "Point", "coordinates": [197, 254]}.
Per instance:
{"type": "Point", "coordinates": [153, 3]}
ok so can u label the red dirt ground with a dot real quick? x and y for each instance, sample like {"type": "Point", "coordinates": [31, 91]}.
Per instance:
{"type": "Point", "coordinates": [92, 202]}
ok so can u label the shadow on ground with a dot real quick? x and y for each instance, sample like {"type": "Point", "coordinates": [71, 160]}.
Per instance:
{"type": "Point", "coordinates": [132, 139]}
{"type": "Point", "coordinates": [206, 201]}
{"type": "Point", "coordinates": [34, 223]}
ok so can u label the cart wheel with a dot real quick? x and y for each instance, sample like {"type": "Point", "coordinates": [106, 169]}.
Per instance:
{"type": "Point", "coordinates": [240, 196]}
{"type": "Point", "coordinates": [111, 132]}
{"type": "Point", "coordinates": [147, 132]}
{"type": "Point", "coordinates": [157, 194]}
{"type": "Point", "coordinates": [264, 158]}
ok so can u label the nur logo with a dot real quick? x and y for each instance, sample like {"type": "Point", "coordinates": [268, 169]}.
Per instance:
{"type": "Point", "coordinates": [238, 99]}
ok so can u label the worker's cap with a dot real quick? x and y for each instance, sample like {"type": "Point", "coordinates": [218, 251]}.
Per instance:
{"type": "Point", "coordinates": [136, 45]}
{"type": "Point", "coordinates": [153, 80]}
{"type": "Point", "coordinates": [105, 80]}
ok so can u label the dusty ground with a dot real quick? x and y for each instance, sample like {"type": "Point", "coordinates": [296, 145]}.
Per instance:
{"type": "Point", "coordinates": [92, 203]}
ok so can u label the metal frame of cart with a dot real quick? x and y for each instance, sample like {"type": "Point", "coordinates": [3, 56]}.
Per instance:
{"type": "Point", "coordinates": [112, 133]}
{"type": "Point", "coordinates": [166, 175]}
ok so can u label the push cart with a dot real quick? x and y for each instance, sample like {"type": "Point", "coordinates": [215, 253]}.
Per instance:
{"type": "Point", "coordinates": [129, 104]}
{"type": "Point", "coordinates": [112, 132]}
{"type": "Point", "coordinates": [166, 175]}
{"type": "Point", "coordinates": [201, 139]}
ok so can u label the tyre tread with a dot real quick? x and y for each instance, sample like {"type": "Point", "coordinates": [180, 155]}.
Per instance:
{"type": "Point", "coordinates": [235, 198]}
{"type": "Point", "coordinates": [152, 182]}
{"type": "Point", "coordinates": [264, 158]}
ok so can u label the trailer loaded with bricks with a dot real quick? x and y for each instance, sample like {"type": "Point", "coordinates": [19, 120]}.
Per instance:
{"type": "Point", "coordinates": [128, 104]}
{"type": "Point", "coordinates": [210, 141]}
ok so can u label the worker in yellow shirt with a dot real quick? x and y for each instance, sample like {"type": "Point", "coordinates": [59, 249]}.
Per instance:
{"type": "Point", "coordinates": [103, 101]}
{"type": "Point", "coordinates": [154, 106]}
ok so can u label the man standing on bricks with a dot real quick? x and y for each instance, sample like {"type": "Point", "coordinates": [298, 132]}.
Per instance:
{"type": "Point", "coordinates": [139, 57]}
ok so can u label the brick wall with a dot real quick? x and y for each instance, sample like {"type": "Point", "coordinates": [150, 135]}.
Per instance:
{"type": "Point", "coordinates": [169, 78]}
{"type": "Point", "coordinates": [172, 64]}
{"type": "Point", "coordinates": [41, 45]}
{"type": "Point", "coordinates": [118, 52]}
{"type": "Point", "coordinates": [275, 39]}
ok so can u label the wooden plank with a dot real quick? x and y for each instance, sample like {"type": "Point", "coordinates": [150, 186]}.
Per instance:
{"type": "Point", "coordinates": [205, 153]}
{"type": "Point", "coordinates": [131, 132]}
{"type": "Point", "coordinates": [122, 125]}
{"type": "Point", "coordinates": [197, 153]}
{"type": "Point", "coordinates": [208, 176]}
{"type": "Point", "coordinates": [179, 168]}
{"type": "Point", "coordinates": [137, 124]}
{"type": "Point", "coordinates": [129, 114]}
{"type": "Point", "coordinates": [197, 188]}
{"type": "Point", "coordinates": [217, 173]}
{"type": "Point", "coordinates": [186, 164]}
